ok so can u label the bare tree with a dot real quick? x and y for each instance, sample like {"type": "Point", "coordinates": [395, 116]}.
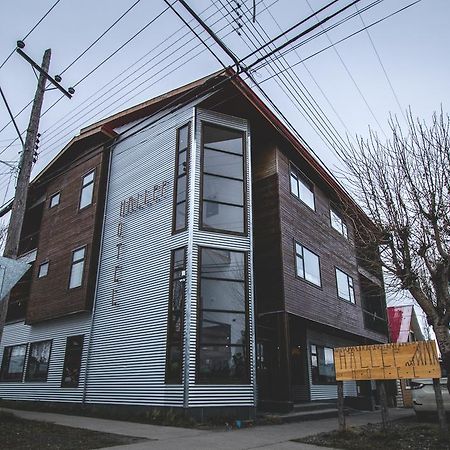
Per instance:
{"type": "Point", "coordinates": [403, 185]}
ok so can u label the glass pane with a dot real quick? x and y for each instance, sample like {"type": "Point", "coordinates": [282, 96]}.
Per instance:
{"type": "Point", "coordinates": [55, 200]}
{"type": "Point", "coordinates": [344, 230]}
{"type": "Point", "coordinates": [180, 216]}
{"type": "Point", "coordinates": [174, 364]}
{"type": "Point", "coordinates": [72, 361]}
{"type": "Point", "coordinates": [223, 217]}
{"type": "Point", "coordinates": [336, 221]}
{"type": "Point", "coordinates": [13, 362]}
{"type": "Point", "coordinates": [86, 195]}
{"type": "Point", "coordinates": [223, 364]}
{"type": "Point", "coordinates": [182, 162]}
{"type": "Point", "coordinates": [76, 275]}
{"type": "Point", "coordinates": [78, 254]}
{"type": "Point", "coordinates": [89, 178]}
{"type": "Point", "coordinates": [181, 188]}
{"type": "Point", "coordinates": [222, 328]}
{"type": "Point", "coordinates": [223, 190]}
{"type": "Point", "coordinates": [300, 269]}
{"type": "Point", "coordinates": [178, 258]}
{"type": "Point", "coordinates": [223, 164]}
{"type": "Point", "coordinates": [43, 270]}
{"type": "Point", "coordinates": [222, 139]}
{"type": "Point", "coordinates": [38, 360]}
{"type": "Point", "coordinates": [342, 285]}
{"type": "Point", "coordinates": [223, 294]}
{"type": "Point", "coordinates": [223, 264]}
{"type": "Point", "coordinates": [306, 193]}
{"type": "Point", "coordinates": [312, 268]}
{"type": "Point", "coordinates": [294, 185]}
{"type": "Point", "coordinates": [326, 364]}
{"type": "Point", "coordinates": [183, 137]}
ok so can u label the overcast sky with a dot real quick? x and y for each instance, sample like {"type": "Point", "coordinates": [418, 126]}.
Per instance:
{"type": "Point", "coordinates": [346, 83]}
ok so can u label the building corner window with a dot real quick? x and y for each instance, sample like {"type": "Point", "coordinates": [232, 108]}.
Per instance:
{"type": "Point", "coordinates": [338, 223]}
{"type": "Point", "coordinates": [345, 286]}
{"type": "Point", "coordinates": [301, 187]}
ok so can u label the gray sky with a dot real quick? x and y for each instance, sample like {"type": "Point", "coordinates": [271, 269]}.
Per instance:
{"type": "Point", "coordinates": [411, 45]}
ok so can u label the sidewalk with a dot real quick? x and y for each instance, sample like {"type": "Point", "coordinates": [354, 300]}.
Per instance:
{"type": "Point", "coordinates": [269, 437]}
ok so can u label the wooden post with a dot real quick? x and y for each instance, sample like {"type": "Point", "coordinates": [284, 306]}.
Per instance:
{"type": "Point", "coordinates": [440, 406]}
{"type": "Point", "coordinates": [383, 404]}
{"type": "Point", "coordinates": [340, 405]}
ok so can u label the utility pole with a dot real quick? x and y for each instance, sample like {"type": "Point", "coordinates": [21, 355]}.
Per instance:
{"type": "Point", "coordinates": [26, 163]}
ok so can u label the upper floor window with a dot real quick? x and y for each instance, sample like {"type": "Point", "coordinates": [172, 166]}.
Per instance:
{"type": "Point", "coordinates": [43, 269]}
{"type": "Point", "coordinates": [307, 264]}
{"type": "Point", "coordinates": [38, 361]}
{"type": "Point", "coordinates": [77, 268]}
{"type": "Point", "coordinates": [87, 190]}
{"type": "Point", "coordinates": [337, 222]}
{"type": "Point", "coordinates": [13, 362]}
{"type": "Point", "coordinates": [322, 365]}
{"type": "Point", "coordinates": [72, 361]}
{"type": "Point", "coordinates": [345, 286]}
{"type": "Point", "coordinates": [223, 193]}
{"type": "Point", "coordinates": [180, 191]}
{"type": "Point", "coordinates": [54, 200]}
{"type": "Point", "coordinates": [301, 187]}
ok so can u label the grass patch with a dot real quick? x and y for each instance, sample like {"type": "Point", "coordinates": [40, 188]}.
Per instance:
{"type": "Point", "coordinates": [405, 434]}
{"type": "Point", "coordinates": [17, 433]}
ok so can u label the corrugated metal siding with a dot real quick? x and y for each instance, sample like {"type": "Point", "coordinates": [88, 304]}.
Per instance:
{"type": "Point", "coordinates": [58, 330]}
{"type": "Point", "coordinates": [128, 353]}
{"type": "Point", "coordinates": [219, 395]}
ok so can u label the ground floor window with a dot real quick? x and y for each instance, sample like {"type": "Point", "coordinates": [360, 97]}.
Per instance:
{"type": "Point", "coordinates": [223, 355]}
{"type": "Point", "coordinates": [13, 362]}
{"type": "Point", "coordinates": [72, 361]}
{"type": "Point", "coordinates": [38, 361]}
{"type": "Point", "coordinates": [322, 365]}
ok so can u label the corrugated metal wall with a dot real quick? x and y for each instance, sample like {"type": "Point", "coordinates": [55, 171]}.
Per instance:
{"type": "Point", "coordinates": [57, 330]}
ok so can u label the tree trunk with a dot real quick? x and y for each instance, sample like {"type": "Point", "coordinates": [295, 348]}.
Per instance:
{"type": "Point", "coordinates": [384, 404]}
{"type": "Point", "coordinates": [440, 406]}
{"type": "Point", "coordinates": [443, 340]}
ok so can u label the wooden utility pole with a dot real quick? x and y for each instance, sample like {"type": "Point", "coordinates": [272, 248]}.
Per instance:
{"type": "Point", "coordinates": [440, 406]}
{"type": "Point", "coordinates": [23, 180]}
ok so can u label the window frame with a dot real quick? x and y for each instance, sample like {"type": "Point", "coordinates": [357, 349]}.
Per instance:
{"type": "Point", "coordinates": [83, 186]}
{"type": "Point", "coordinates": [246, 314]}
{"type": "Point", "coordinates": [244, 207]}
{"type": "Point", "coordinates": [177, 176]}
{"type": "Point", "coordinates": [66, 384]}
{"type": "Point", "coordinates": [320, 382]}
{"type": "Point", "coordinates": [85, 247]}
{"type": "Point", "coordinates": [54, 195]}
{"type": "Point", "coordinates": [3, 365]}
{"type": "Point", "coordinates": [301, 177]}
{"type": "Point", "coordinates": [303, 259]}
{"type": "Point", "coordinates": [352, 286]}
{"type": "Point", "coordinates": [27, 375]}
{"type": "Point", "coordinates": [179, 379]}
{"type": "Point", "coordinates": [343, 231]}
{"type": "Point", "coordinates": [43, 263]}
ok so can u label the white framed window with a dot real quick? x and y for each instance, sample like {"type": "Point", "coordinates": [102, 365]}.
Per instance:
{"type": "Point", "coordinates": [302, 188]}
{"type": "Point", "coordinates": [307, 265]}
{"type": "Point", "coordinates": [87, 190]}
{"type": "Point", "coordinates": [54, 200]}
{"type": "Point", "coordinates": [337, 222]}
{"type": "Point", "coordinates": [345, 286]}
{"type": "Point", "coordinates": [43, 269]}
{"type": "Point", "coordinates": [77, 268]}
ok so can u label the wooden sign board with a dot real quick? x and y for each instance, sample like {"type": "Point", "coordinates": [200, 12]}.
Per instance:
{"type": "Point", "coordinates": [387, 361]}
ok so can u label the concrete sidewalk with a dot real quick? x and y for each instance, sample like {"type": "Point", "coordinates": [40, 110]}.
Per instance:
{"type": "Point", "coordinates": [269, 437]}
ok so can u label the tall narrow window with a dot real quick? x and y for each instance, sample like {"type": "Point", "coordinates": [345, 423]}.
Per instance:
{"type": "Point", "coordinates": [72, 361]}
{"type": "Point", "coordinates": [337, 222]}
{"type": "Point", "coordinates": [13, 362]}
{"type": "Point", "coordinates": [307, 264]}
{"type": "Point", "coordinates": [77, 268]}
{"type": "Point", "coordinates": [181, 170]}
{"type": "Point", "coordinates": [345, 286]}
{"type": "Point", "coordinates": [174, 359]}
{"type": "Point", "coordinates": [301, 187]}
{"type": "Point", "coordinates": [38, 361]}
{"type": "Point", "coordinates": [223, 346]}
{"type": "Point", "coordinates": [87, 190]}
{"type": "Point", "coordinates": [223, 194]}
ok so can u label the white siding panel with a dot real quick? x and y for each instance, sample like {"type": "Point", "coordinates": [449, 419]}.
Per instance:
{"type": "Point", "coordinates": [58, 331]}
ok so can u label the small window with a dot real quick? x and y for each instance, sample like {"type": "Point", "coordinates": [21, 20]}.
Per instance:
{"type": "Point", "coordinates": [87, 190]}
{"type": "Point", "coordinates": [337, 222]}
{"type": "Point", "coordinates": [77, 268]}
{"type": "Point", "coordinates": [13, 362]}
{"type": "Point", "coordinates": [54, 200]}
{"type": "Point", "coordinates": [38, 361]}
{"type": "Point", "coordinates": [345, 286]}
{"type": "Point", "coordinates": [307, 265]}
{"type": "Point", "coordinates": [43, 270]}
{"type": "Point", "coordinates": [72, 361]}
{"type": "Point", "coordinates": [322, 365]}
{"type": "Point", "coordinates": [302, 188]}
{"type": "Point", "coordinates": [181, 171]}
